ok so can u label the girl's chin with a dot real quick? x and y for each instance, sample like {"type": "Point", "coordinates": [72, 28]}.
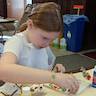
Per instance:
{"type": "Point", "coordinates": [41, 47]}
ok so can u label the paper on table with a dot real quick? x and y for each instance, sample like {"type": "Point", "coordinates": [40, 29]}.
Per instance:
{"type": "Point", "coordinates": [9, 88]}
{"type": "Point", "coordinates": [83, 86]}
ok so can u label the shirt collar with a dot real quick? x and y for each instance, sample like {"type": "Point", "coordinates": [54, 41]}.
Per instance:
{"type": "Point", "coordinates": [26, 40]}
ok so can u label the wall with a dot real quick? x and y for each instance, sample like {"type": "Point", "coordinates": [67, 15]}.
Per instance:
{"type": "Point", "coordinates": [15, 8]}
{"type": "Point", "coordinates": [90, 31]}
{"type": "Point", "coordinates": [3, 8]}
{"type": "Point", "coordinates": [66, 5]}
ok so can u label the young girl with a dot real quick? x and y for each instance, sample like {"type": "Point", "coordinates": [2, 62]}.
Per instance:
{"type": "Point", "coordinates": [28, 52]}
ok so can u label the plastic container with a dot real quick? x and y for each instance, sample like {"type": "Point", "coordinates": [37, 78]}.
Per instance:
{"type": "Point", "coordinates": [56, 43]}
{"type": "Point", "coordinates": [94, 78]}
{"type": "Point", "coordinates": [73, 31]}
{"type": "Point", "coordinates": [63, 44]}
{"type": "Point", "coordinates": [26, 91]}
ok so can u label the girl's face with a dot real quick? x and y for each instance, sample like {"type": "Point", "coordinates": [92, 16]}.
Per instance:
{"type": "Point", "coordinates": [41, 38]}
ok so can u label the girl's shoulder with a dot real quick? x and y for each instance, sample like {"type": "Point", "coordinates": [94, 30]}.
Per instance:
{"type": "Point", "coordinates": [17, 38]}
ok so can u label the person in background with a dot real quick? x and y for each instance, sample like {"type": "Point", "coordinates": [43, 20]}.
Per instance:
{"type": "Point", "coordinates": [27, 56]}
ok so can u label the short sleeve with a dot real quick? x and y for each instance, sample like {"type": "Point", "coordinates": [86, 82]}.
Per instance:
{"type": "Point", "coordinates": [13, 45]}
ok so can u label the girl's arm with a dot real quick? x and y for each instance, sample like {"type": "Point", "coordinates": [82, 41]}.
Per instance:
{"type": "Point", "coordinates": [12, 72]}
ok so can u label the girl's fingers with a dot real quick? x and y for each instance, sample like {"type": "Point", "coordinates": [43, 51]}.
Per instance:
{"type": "Point", "coordinates": [60, 68]}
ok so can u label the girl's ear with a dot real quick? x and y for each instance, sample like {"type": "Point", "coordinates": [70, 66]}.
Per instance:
{"type": "Point", "coordinates": [29, 23]}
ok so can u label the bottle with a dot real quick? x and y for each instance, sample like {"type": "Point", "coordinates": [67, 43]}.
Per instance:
{"type": "Point", "coordinates": [94, 78]}
{"type": "Point", "coordinates": [56, 43]}
{"type": "Point", "coordinates": [63, 44]}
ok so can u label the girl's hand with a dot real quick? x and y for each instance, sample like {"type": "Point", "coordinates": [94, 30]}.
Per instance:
{"type": "Point", "coordinates": [67, 81]}
{"type": "Point", "coordinates": [59, 68]}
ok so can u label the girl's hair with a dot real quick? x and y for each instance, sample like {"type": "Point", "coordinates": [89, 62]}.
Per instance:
{"type": "Point", "coordinates": [46, 16]}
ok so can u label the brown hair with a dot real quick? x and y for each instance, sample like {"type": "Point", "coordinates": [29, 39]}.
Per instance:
{"type": "Point", "coordinates": [46, 16]}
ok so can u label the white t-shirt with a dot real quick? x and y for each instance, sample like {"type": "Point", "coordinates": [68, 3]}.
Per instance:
{"type": "Point", "coordinates": [27, 54]}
